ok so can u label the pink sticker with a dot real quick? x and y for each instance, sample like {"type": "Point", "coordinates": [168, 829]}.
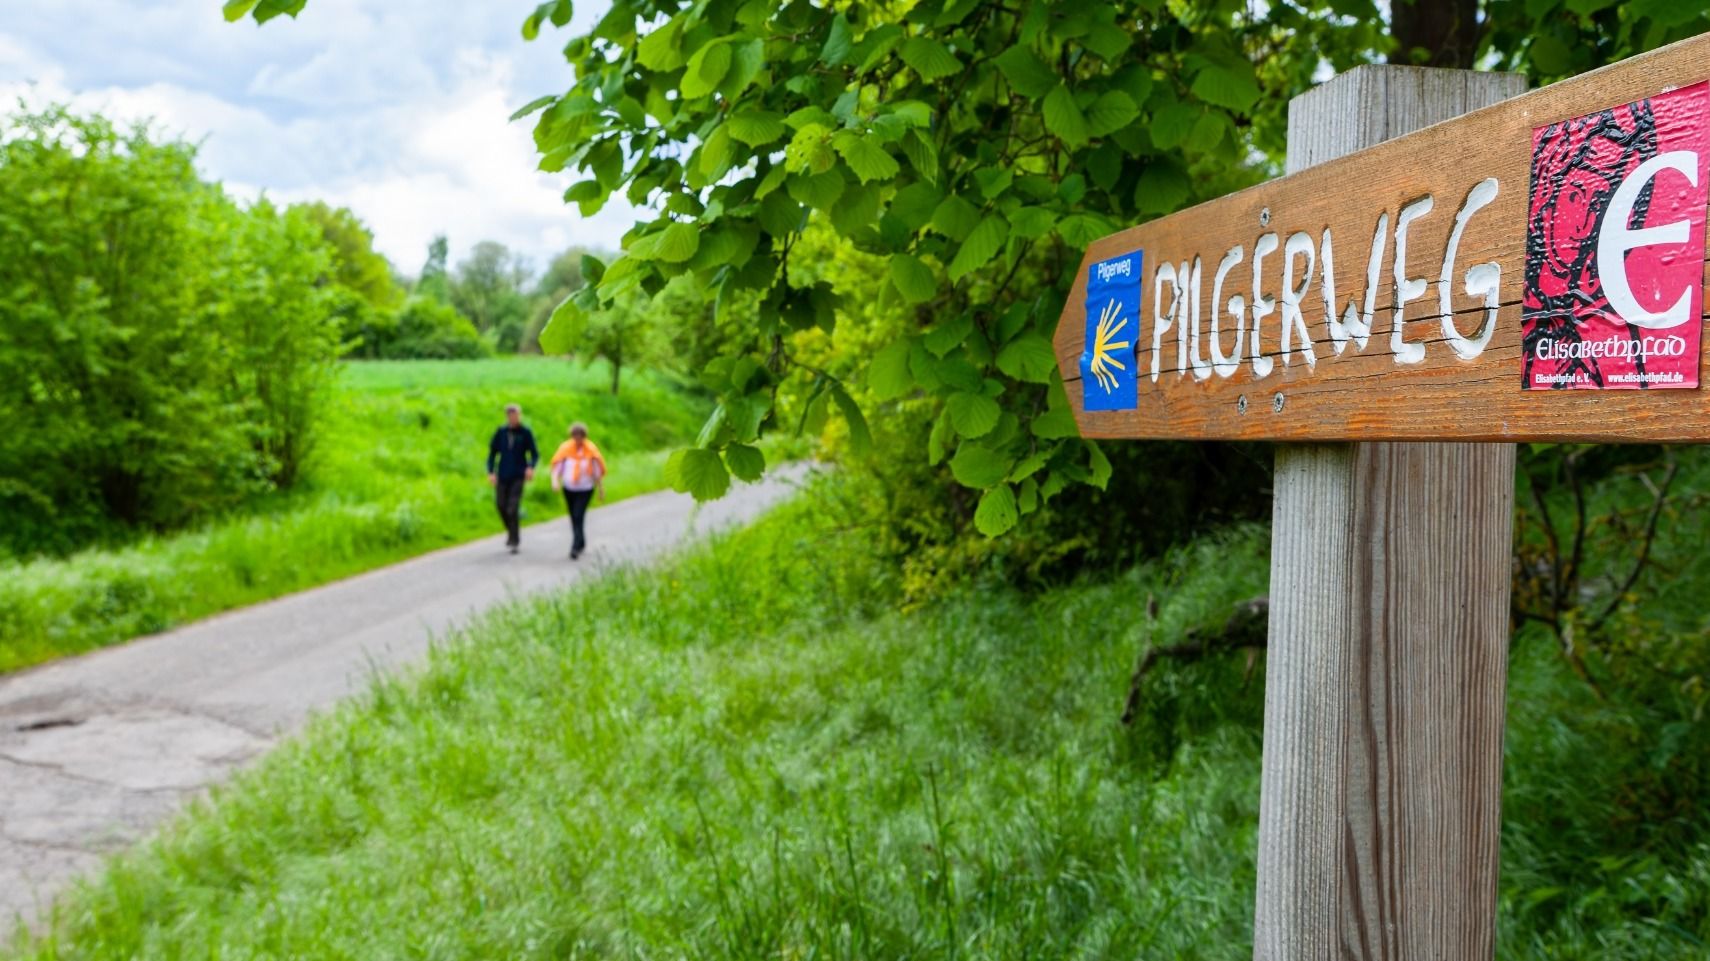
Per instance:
{"type": "Point", "coordinates": [1615, 246]}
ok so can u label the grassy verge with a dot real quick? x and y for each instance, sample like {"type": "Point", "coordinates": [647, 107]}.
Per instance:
{"type": "Point", "coordinates": [747, 754]}
{"type": "Point", "coordinates": [399, 471]}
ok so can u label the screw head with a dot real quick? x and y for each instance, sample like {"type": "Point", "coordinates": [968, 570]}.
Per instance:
{"type": "Point", "coordinates": [1265, 217]}
{"type": "Point", "coordinates": [1277, 402]}
{"type": "Point", "coordinates": [1241, 404]}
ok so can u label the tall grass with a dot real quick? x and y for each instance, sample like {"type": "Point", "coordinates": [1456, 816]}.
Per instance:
{"type": "Point", "coordinates": [399, 470]}
{"type": "Point", "coordinates": [749, 754]}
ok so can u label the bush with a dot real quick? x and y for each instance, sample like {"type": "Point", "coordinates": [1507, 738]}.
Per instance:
{"type": "Point", "coordinates": [433, 330]}
{"type": "Point", "coordinates": [161, 348]}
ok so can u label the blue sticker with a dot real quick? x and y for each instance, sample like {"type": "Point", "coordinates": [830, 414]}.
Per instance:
{"type": "Point", "coordinates": [1108, 362]}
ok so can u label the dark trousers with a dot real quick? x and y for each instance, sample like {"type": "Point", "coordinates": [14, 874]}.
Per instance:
{"type": "Point", "coordinates": [508, 495]}
{"type": "Point", "coordinates": [577, 502]}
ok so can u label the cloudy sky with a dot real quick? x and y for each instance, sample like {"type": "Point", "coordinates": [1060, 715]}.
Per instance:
{"type": "Point", "coordinates": [395, 109]}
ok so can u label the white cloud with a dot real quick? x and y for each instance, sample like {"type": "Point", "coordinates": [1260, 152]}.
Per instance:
{"type": "Point", "coordinates": [398, 111]}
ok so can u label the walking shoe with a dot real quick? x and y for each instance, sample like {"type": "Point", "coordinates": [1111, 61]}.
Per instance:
{"type": "Point", "coordinates": [575, 554]}
{"type": "Point", "coordinates": [515, 548]}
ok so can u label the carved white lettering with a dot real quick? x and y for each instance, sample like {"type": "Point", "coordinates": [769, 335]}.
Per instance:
{"type": "Point", "coordinates": [1293, 323]}
{"type": "Point", "coordinates": [1227, 364]}
{"type": "Point", "coordinates": [1262, 305]}
{"type": "Point", "coordinates": [1406, 288]}
{"type": "Point", "coordinates": [1482, 280]}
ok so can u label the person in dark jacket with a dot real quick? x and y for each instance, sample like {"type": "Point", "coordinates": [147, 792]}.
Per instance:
{"type": "Point", "coordinates": [511, 457]}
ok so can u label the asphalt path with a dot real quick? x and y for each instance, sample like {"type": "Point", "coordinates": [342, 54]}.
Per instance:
{"type": "Point", "coordinates": [97, 750]}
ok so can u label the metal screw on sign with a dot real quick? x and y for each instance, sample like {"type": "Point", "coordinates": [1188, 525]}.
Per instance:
{"type": "Point", "coordinates": [1277, 403]}
{"type": "Point", "coordinates": [1241, 404]}
{"type": "Point", "coordinates": [1265, 217]}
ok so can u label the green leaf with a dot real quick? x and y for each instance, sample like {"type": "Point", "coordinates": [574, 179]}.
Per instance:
{"type": "Point", "coordinates": [948, 335]}
{"type": "Point", "coordinates": [922, 154]}
{"type": "Point", "coordinates": [978, 466]}
{"type": "Point", "coordinates": [747, 59]}
{"type": "Point", "coordinates": [818, 191]}
{"type": "Point", "coordinates": [745, 461]}
{"type": "Point", "coordinates": [236, 10]}
{"type": "Point", "coordinates": [938, 441]}
{"type": "Point", "coordinates": [697, 471]}
{"type": "Point", "coordinates": [780, 216]}
{"type": "Point", "coordinates": [1064, 118]}
{"type": "Point", "coordinates": [538, 103]}
{"type": "Point", "coordinates": [1056, 423]}
{"type": "Point", "coordinates": [756, 127]}
{"type": "Point", "coordinates": [1550, 55]}
{"type": "Point", "coordinates": [913, 279]}
{"type": "Point", "coordinates": [1207, 131]}
{"type": "Point", "coordinates": [1172, 123]}
{"type": "Point", "coordinates": [1026, 72]}
{"type": "Point", "coordinates": [929, 58]}
{"type": "Point", "coordinates": [715, 156]}
{"type": "Point", "coordinates": [662, 49]}
{"type": "Point", "coordinates": [888, 375]}
{"type": "Point", "coordinates": [559, 334]}
{"type": "Point", "coordinates": [1162, 187]}
{"type": "Point", "coordinates": [1109, 42]}
{"type": "Point", "coordinates": [1233, 87]}
{"type": "Point", "coordinates": [860, 438]}
{"type": "Point", "coordinates": [867, 159]}
{"type": "Point", "coordinates": [810, 116]}
{"type": "Point", "coordinates": [1079, 230]}
{"type": "Point", "coordinates": [678, 242]}
{"type": "Point", "coordinates": [1028, 499]}
{"type": "Point", "coordinates": [810, 150]}
{"type": "Point", "coordinates": [1031, 223]}
{"type": "Point", "coordinates": [1031, 464]}
{"type": "Point", "coordinates": [856, 209]}
{"type": "Point", "coordinates": [587, 195]}
{"type": "Point", "coordinates": [996, 513]}
{"type": "Point", "coordinates": [1029, 358]}
{"type": "Point", "coordinates": [955, 218]}
{"type": "Point", "coordinates": [973, 415]}
{"type": "Point", "coordinates": [839, 42]}
{"type": "Point", "coordinates": [1112, 111]}
{"type": "Point", "coordinates": [706, 68]}
{"type": "Point", "coordinates": [1100, 465]}
{"type": "Point", "coordinates": [982, 244]}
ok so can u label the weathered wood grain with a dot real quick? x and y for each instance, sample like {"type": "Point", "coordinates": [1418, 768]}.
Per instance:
{"type": "Point", "coordinates": [1363, 394]}
{"type": "Point", "coordinates": [1387, 657]}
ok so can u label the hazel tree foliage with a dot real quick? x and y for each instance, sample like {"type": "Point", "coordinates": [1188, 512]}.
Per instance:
{"type": "Point", "coordinates": [978, 147]}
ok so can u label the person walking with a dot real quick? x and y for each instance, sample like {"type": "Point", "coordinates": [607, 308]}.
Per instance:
{"type": "Point", "coordinates": [511, 457]}
{"type": "Point", "coordinates": [579, 471]}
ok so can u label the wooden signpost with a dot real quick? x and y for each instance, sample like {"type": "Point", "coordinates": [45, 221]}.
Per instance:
{"type": "Point", "coordinates": [1379, 296]}
{"type": "Point", "coordinates": [1450, 261]}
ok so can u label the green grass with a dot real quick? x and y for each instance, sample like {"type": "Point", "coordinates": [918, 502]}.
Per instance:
{"type": "Point", "coordinates": [748, 754]}
{"type": "Point", "coordinates": [399, 471]}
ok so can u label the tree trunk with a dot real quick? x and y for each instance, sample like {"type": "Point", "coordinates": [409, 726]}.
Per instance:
{"type": "Point", "coordinates": [1443, 33]}
{"type": "Point", "coordinates": [617, 368]}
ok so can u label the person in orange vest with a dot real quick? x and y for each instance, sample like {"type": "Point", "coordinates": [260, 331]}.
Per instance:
{"type": "Point", "coordinates": [580, 472]}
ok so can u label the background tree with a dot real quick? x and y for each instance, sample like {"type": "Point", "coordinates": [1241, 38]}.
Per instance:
{"type": "Point", "coordinates": [365, 293]}
{"type": "Point", "coordinates": [489, 289]}
{"type": "Point", "coordinates": [432, 281]}
{"type": "Point", "coordinates": [620, 335]}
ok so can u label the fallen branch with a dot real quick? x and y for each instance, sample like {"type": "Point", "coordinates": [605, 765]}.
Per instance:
{"type": "Point", "coordinates": [1244, 630]}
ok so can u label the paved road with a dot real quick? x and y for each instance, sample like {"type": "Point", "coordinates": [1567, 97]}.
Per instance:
{"type": "Point", "coordinates": [96, 750]}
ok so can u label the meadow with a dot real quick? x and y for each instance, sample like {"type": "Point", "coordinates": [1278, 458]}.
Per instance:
{"type": "Point", "coordinates": [706, 761]}
{"type": "Point", "coordinates": [398, 470]}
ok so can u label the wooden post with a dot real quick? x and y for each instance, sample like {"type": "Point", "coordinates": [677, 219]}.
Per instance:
{"type": "Point", "coordinates": [1387, 661]}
